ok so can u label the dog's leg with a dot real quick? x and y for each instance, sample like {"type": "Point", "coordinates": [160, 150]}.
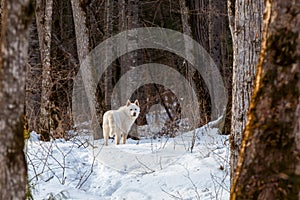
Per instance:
{"type": "Point", "coordinates": [105, 139]}
{"type": "Point", "coordinates": [118, 136]}
{"type": "Point", "coordinates": [111, 125]}
{"type": "Point", "coordinates": [106, 131]}
{"type": "Point", "coordinates": [118, 139]}
{"type": "Point", "coordinates": [124, 137]}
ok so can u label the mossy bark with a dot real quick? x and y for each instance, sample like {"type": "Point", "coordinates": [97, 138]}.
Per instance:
{"type": "Point", "coordinates": [269, 163]}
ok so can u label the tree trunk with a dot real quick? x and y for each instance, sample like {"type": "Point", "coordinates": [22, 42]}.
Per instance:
{"type": "Point", "coordinates": [246, 46]}
{"type": "Point", "coordinates": [44, 26]}
{"type": "Point", "coordinates": [109, 7]}
{"type": "Point", "coordinates": [86, 68]}
{"type": "Point", "coordinates": [199, 27]}
{"type": "Point", "coordinates": [64, 64]}
{"type": "Point", "coordinates": [219, 50]}
{"type": "Point", "coordinates": [128, 19]}
{"type": "Point", "coordinates": [269, 163]}
{"type": "Point", "coordinates": [33, 78]}
{"type": "Point", "coordinates": [15, 19]}
{"type": "Point", "coordinates": [210, 30]}
{"type": "Point", "coordinates": [199, 21]}
{"type": "Point", "coordinates": [186, 29]}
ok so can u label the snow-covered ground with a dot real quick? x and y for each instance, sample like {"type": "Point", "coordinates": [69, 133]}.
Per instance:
{"type": "Point", "coordinates": [156, 169]}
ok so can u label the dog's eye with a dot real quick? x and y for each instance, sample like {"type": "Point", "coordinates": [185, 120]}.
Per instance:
{"type": "Point", "coordinates": [130, 109]}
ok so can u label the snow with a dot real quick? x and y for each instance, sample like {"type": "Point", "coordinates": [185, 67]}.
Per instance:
{"type": "Point", "coordinates": [161, 168]}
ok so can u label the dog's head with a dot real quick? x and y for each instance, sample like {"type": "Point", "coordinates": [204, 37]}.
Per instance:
{"type": "Point", "coordinates": [133, 108]}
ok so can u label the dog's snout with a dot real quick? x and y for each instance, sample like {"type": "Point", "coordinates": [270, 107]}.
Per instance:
{"type": "Point", "coordinates": [134, 114]}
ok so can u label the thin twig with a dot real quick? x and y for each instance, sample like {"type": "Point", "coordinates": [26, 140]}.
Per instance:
{"type": "Point", "coordinates": [171, 195]}
{"type": "Point", "coordinates": [151, 170]}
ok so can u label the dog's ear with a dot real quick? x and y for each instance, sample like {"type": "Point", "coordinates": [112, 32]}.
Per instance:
{"type": "Point", "coordinates": [128, 103]}
{"type": "Point", "coordinates": [136, 102]}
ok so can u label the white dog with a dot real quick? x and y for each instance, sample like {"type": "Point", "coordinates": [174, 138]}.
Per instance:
{"type": "Point", "coordinates": [120, 121]}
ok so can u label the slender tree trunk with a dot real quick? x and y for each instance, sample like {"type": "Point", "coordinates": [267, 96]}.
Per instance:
{"type": "Point", "coordinates": [44, 26]}
{"type": "Point", "coordinates": [219, 35]}
{"type": "Point", "coordinates": [231, 16]}
{"type": "Point", "coordinates": [108, 33]}
{"type": "Point", "coordinates": [33, 78]}
{"type": "Point", "coordinates": [246, 46]}
{"type": "Point", "coordinates": [186, 29]}
{"type": "Point", "coordinates": [199, 21]}
{"type": "Point", "coordinates": [269, 163]}
{"type": "Point", "coordinates": [81, 31]}
{"type": "Point", "coordinates": [199, 27]}
{"type": "Point", "coordinates": [15, 20]}
{"type": "Point", "coordinates": [128, 19]}
{"type": "Point", "coordinates": [210, 29]}
{"type": "Point", "coordinates": [83, 49]}
{"type": "Point", "coordinates": [189, 50]}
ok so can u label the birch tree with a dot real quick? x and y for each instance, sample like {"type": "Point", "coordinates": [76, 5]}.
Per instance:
{"type": "Point", "coordinates": [246, 28]}
{"type": "Point", "coordinates": [269, 162]}
{"type": "Point", "coordinates": [15, 18]}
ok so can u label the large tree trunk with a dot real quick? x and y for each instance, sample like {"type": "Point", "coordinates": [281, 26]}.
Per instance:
{"type": "Point", "coordinates": [44, 26]}
{"type": "Point", "coordinates": [269, 163]}
{"type": "Point", "coordinates": [246, 46]}
{"type": "Point", "coordinates": [14, 44]}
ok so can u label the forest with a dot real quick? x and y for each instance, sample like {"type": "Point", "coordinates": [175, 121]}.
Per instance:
{"type": "Point", "coordinates": [218, 90]}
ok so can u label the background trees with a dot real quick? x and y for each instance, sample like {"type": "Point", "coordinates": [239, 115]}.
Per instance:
{"type": "Point", "coordinates": [15, 18]}
{"type": "Point", "coordinates": [79, 26]}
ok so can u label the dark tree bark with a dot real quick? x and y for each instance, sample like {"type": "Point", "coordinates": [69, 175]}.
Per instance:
{"type": "Point", "coordinates": [15, 18]}
{"type": "Point", "coordinates": [269, 163]}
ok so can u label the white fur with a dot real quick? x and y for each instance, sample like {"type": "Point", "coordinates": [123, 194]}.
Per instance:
{"type": "Point", "coordinates": [120, 121]}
